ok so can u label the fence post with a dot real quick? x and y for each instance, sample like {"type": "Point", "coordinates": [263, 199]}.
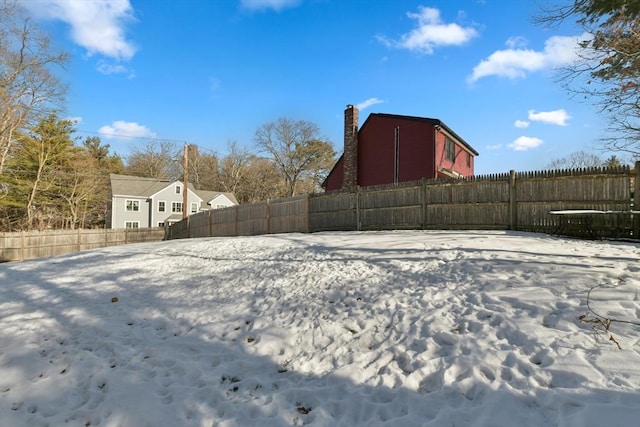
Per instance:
{"type": "Point", "coordinates": [358, 226]}
{"type": "Point", "coordinates": [636, 199]}
{"type": "Point", "coordinates": [79, 247]}
{"type": "Point", "coordinates": [306, 214]}
{"type": "Point", "coordinates": [235, 220]}
{"type": "Point", "coordinates": [513, 212]}
{"type": "Point", "coordinates": [423, 197]}
{"type": "Point", "coordinates": [268, 214]}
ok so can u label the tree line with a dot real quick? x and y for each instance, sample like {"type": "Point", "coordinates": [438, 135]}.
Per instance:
{"type": "Point", "coordinates": [50, 178]}
{"type": "Point", "coordinates": [291, 159]}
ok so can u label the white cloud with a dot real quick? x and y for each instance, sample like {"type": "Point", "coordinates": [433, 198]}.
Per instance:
{"type": "Point", "coordinates": [431, 33]}
{"type": "Point", "coordinates": [368, 103]}
{"type": "Point", "coordinates": [123, 130]}
{"type": "Point", "coordinates": [525, 143]}
{"type": "Point", "coordinates": [516, 42]}
{"type": "Point", "coordinates": [110, 68]}
{"type": "Point", "coordinates": [522, 124]}
{"type": "Point", "coordinates": [98, 26]}
{"type": "Point", "coordinates": [557, 117]}
{"type": "Point", "coordinates": [516, 62]}
{"type": "Point", "coordinates": [276, 5]}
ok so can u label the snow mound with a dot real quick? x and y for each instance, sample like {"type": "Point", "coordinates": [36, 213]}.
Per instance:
{"type": "Point", "coordinates": [410, 328]}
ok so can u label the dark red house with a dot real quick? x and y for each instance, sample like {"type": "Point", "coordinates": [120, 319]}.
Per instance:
{"type": "Point", "coordinates": [391, 148]}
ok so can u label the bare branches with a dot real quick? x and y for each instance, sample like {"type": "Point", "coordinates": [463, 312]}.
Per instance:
{"type": "Point", "coordinates": [600, 324]}
{"type": "Point", "coordinates": [296, 149]}
{"type": "Point", "coordinates": [608, 69]}
{"type": "Point", "coordinates": [28, 87]}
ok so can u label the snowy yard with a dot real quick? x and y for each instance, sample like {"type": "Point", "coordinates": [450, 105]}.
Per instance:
{"type": "Point", "coordinates": [407, 328]}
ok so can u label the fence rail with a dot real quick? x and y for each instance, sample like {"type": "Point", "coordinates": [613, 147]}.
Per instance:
{"type": "Point", "coordinates": [22, 245]}
{"type": "Point", "coordinates": [514, 201]}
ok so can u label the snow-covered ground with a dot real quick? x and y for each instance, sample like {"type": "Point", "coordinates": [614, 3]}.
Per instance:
{"type": "Point", "coordinates": [406, 328]}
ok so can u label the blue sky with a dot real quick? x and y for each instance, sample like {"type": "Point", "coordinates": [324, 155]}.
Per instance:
{"type": "Point", "coordinates": [209, 72]}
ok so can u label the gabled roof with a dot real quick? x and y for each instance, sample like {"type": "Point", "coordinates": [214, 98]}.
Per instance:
{"type": "Point", "coordinates": [432, 122]}
{"type": "Point", "coordinates": [127, 185]}
{"type": "Point", "coordinates": [135, 186]}
{"type": "Point", "coordinates": [208, 196]}
{"type": "Point", "coordinates": [191, 189]}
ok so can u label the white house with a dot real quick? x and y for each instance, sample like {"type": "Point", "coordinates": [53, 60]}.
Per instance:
{"type": "Point", "coordinates": [149, 202]}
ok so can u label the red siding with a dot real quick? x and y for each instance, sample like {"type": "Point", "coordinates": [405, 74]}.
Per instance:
{"type": "Point", "coordinates": [419, 158]}
{"type": "Point", "coordinates": [459, 164]}
{"type": "Point", "coordinates": [376, 145]}
{"type": "Point", "coordinates": [335, 177]}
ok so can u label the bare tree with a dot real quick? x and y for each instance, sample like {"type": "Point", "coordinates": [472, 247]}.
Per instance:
{"type": "Point", "coordinates": [608, 70]}
{"type": "Point", "coordinates": [203, 169]}
{"type": "Point", "coordinates": [296, 149]}
{"type": "Point", "coordinates": [233, 168]}
{"type": "Point", "coordinates": [154, 160]}
{"type": "Point", "coordinates": [82, 187]}
{"type": "Point", "coordinates": [262, 181]}
{"type": "Point", "coordinates": [28, 88]}
{"type": "Point", "coordinates": [578, 159]}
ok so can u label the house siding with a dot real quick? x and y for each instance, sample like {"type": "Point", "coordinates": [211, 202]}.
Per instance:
{"type": "Point", "coordinates": [335, 178]}
{"type": "Point", "coordinates": [459, 164]}
{"type": "Point", "coordinates": [377, 151]}
{"type": "Point", "coordinates": [149, 192]}
{"type": "Point", "coordinates": [421, 152]}
{"type": "Point", "coordinates": [169, 196]}
{"type": "Point", "coordinates": [220, 200]}
{"type": "Point", "coordinates": [120, 215]}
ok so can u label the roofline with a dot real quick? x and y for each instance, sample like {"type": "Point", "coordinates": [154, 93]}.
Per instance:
{"type": "Point", "coordinates": [174, 182]}
{"type": "Point", "coordinates": [324, 182]}
{"type": "Point", "coordinates": [126, 196]}
{"type": "Point", "coordinates": [433, 122]}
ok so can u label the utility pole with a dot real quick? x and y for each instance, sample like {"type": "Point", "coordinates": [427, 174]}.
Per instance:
{"type": "Point", "coordinates": [185, 190]}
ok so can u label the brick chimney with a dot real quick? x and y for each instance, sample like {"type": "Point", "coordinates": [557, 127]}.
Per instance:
{"type": "Point", "coordinates": [350, 162]}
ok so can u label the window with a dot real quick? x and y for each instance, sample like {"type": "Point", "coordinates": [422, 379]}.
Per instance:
{"type": "Point", "coordinates": [194, 207]}
{"type": "Point", "coordinates": [132, 224]}
{"type": "Point", "coordinates": [176, 206]}
{"type": "Point", "coordinates": [161, 206]}
{"type": "Point", "coordinates": [221, 206]}
{"type": "Point", "coordinates": [450, 149]}
{"type": "Point", "coordinates": [161, 224]}
{"type": "Point", "coordinates": [132, 205]}
{"type": "Point", "coordinates": [468, 159]}
{"type": "Point", "coordinates": [177, 189]}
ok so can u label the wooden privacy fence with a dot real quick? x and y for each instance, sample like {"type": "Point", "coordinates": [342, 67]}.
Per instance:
{"type": "Point", "coordinates": [22, 245]}
{"type": "Point", "coordinates": [514, 201]}
{"type": "Point", "coordinates": [273, 216]}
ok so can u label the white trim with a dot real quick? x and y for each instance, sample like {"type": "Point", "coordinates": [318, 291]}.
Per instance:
{"type": "Point", "coordinates": [173, 185]}
{"type": "Point", "coordinates": [213, 200]}
{"type": "Point", "coordinates": [175, 204]}
{"type": "Point", "coordinates": [126, 202]}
